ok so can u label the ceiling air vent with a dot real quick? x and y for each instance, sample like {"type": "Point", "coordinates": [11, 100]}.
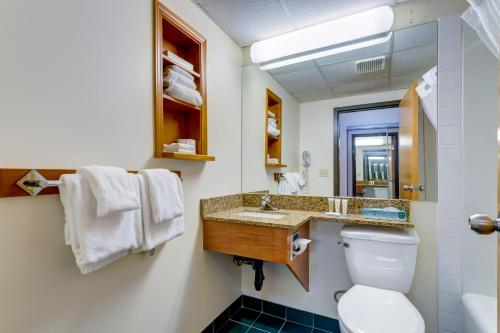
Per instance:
{"type": "Point", "coordinates": [370, 65]}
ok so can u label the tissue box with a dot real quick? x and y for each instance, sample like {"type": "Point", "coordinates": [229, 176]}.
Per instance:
{"type": "Point", "coordinates": [388, 213]}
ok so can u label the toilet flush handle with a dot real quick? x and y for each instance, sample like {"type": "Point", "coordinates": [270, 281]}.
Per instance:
{"type": "Point", "coordinates": [343, 244]}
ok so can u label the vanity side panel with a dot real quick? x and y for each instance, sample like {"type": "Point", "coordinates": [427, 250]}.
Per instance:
{"type": "Point", "coordinates": [300, 264]}
{"type": "Point", "coordinates": [264, 243]}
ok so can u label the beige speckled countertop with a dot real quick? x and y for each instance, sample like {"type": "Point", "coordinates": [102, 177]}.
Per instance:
{"type": "Point", "coordinates": [294, 218]}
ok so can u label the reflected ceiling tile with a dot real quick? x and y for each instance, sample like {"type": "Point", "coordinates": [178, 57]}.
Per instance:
{"type": "Point", "coordinates": [355, 88]}
{"type": "Point", "coordinates": [308, 79]}
{"type": "Point", "coordinates": [345, 73]}
{"type": "Point", "coordinates": [418, 35]}
{"type": "Point", "coordinates": [414, 60]}
{"type": "Point", "coordinates": [293, 68]}
{"type": "Point", "coordinates": [313, 95]}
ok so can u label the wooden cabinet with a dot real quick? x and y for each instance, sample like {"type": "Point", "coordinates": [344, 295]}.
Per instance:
{"type": "Point", "coordinates": [259, 242]}
{"type": "Point", "coordinates": [273, 142]}
{"type": "Point", "coordinates": [174, 118]}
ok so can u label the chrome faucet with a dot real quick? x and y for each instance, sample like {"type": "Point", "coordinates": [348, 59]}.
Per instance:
{"type": "Point", "coordinates": [265, 202]}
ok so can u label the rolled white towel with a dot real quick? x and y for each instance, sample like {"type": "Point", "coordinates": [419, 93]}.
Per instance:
{"type": "Point", "coordinates": [184, 94]}
{"type": "Point", "coordinates": [273, 131]}
{"type": "Point", "coordinates": [272, 122]}
{"type": "Point", "coordinates": [169, 77]}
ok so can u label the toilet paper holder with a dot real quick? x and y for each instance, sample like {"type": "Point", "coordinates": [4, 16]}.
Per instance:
{"type": "Point", "coordinates": [294, 248]}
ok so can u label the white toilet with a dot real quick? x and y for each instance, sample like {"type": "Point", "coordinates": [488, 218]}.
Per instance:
{"type": "Point", "coordinates": [381, 264]}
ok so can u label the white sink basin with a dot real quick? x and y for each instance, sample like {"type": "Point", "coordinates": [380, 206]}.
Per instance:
{"type": "Point", "coordinates": [262, 215]}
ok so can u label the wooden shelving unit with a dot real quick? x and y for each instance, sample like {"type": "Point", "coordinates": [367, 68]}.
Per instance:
{"type": "Point", "coordinates": [273, 143]}
{"type": "Point", "coordinates": [175, 119]}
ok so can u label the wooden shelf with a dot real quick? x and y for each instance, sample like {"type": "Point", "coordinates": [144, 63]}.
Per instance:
{"type": "Point", "coordinates": [271, 165]}
{"type": "Point", "coordinates": [175, 104]}
{"type": "Point", "coordinates": [170, 61]}
{"type": "Point", "coordinates": [189, 157]}
{"type": "Point", "coordinates": [175, 119]}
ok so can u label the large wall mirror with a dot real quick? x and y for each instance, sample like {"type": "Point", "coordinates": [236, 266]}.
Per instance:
{"type": "Point", "coordinates": [361, 123]}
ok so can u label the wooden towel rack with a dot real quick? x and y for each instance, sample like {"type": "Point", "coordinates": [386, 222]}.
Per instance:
{"type": "Point", "coordinates": [9, 179]}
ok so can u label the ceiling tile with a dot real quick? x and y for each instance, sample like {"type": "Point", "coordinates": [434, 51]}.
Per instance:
{"type": "Point", "coordinates": [345, 73]}
{"type": "Point", "coordinates": [311, 12]}
{"type": "Point", "coordinates": [304, 80]}
{"type": "Point", "coordinates": [414, 60]}
{"type": "Point", "coordinates": [403, 81]}
{"type": "Point", "coordinates": [293, 68]}
{"type": "Point", "coordinates": [313, 95]}
{"type": "Point", "coordinates": [248, 21]}
{"type": "Point", "coordinates": [418, 35]}
{"type": "Point", "coordinates": [360, 87]}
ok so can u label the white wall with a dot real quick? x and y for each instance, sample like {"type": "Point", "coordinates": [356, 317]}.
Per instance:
{"type": "Point", "coordinates": [328, 271]}
{"type": "Point", "coordinates": [316, 134]}
{"type": "Point", "coordinates": [76, 88]}
{"type": "Point", "coordinates": [480, 113]}
{"type": "Point", "coordinates": [255, 176]}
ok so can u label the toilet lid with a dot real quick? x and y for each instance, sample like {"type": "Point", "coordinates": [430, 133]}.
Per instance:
{"type": "Point", "coordinates": [372, 310]}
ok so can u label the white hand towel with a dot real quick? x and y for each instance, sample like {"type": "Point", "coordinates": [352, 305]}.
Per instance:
{"type": "Point", "coordinates": [156, 233]}
{"type": "Point", "coordinates": [292, 182]}
{"type": "Point", "coordinates": [179, 70]}
{"type": "Point", "coordinates": [184, 94]}
{"type": "Point", "coordinates": [113, 188]}
{"type": "Point", "coordinates": [169, 77]}
{"type": "Point", "coordinates": [191, 142]}
{"type": "Point", "coordinates": [176, 146]}
{"type": "Point", "coordinates": [165, 194]}
{"type": "Point", "coordinates": [96, 242]}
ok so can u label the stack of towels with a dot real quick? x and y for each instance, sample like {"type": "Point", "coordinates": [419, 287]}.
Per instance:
{"type": "Point", "coordinates": [184, 146]}
{"type": "Point", "coordinates": [272, 160]}
{"type": "Point", "coordinates": [110, 212]}
{"type": "Point", "coordinates": [272, 125]}
{"type": "Point", "coordinates": [179, 84]}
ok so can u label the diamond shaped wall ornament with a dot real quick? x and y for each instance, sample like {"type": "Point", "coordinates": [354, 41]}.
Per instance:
{"type": "Point", "coordinates": [33, 182]}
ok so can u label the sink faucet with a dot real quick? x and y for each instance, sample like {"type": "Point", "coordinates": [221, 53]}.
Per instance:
{"type": "Point", "coordinates": [265, 203]}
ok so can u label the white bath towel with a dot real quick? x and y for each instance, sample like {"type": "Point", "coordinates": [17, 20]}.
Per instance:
{"type": "Point", "coordinates": [95, 241]}
{"type": "Point", "coordinates": [179, 70]}
{"type": "Point", "coordinates": [176, 147]}
{"type": "Point", "coordinates": [273, 131]}
{"type": "Point", "coordinates": [113, 188]}
{"type": "Point", "coordinates": [156, 233]}
{"type": "Point", "coordinates": [165, 194]}
{"type": "Point", "coordinates": [184, 94]}
{"type": "Point", "coordinates": [169, 77]}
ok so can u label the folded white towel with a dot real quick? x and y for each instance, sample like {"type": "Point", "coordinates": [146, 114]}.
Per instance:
{"type": "Point", "coordinates": [184, 94]}
{"type": "Point", "coordinates": [165, 193]}
{"type": "Point", "coordinates": [156, 233]}
{"type": "Point", "coordinates": [96, 241]}
{"type": "Point", "coordinates": [191, 142]}
{"type": "Point", "coordinates": [272, 161]}
{"type": "Point", "coordinates": [169, 77]}
{"type": "Point", "coordinates": [113, 188]}
{"type": "Point", "coordinates": [271, 114]}
{"type": "Point", "coordinates": [181, 61]}
{"type": "Point", "coordinates": [273, 131]}
{"type": "Point", "coordinates": [179, 148]}
{"type": "Point", "coordinates": [179, 70]}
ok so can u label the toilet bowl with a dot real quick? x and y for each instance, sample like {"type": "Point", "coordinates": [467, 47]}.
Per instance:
{"type": "Point", "coordinates": [381, 263]}
{"type": "Point", "coordinates": [373, 310]}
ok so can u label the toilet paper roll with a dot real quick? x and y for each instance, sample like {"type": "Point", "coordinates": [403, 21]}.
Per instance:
{"type": "Point", "coordinates": [300, 245]}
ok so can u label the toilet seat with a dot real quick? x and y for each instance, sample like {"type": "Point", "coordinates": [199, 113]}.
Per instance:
{"type": "Point", "coordinates": [366, 309]}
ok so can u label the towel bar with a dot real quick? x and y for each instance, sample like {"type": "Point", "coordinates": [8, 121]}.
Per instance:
{"type": "Point", "coordinates": [24, 182]}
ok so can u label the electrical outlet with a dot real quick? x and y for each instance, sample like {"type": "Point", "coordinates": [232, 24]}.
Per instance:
{"type": "Point", "coordinates": [323, 172]}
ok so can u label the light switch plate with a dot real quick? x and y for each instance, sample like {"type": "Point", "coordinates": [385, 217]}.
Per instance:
{"type": "Point", "coordinates": [323, 172]}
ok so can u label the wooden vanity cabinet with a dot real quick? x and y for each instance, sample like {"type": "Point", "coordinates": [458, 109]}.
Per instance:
{"type": "Point", "coordinates": [270, 244]}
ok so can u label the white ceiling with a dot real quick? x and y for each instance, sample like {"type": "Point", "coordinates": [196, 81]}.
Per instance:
{"type": "Point", "coordinates": [409, 53]}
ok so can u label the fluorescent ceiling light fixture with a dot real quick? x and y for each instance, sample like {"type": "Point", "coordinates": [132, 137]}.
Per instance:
{"type": "Point", "coordinates": [369, 142]}
{"type": "Point", "coordinates": [347, 29]}
{"type": "Point", "coordinates": [325, 53]}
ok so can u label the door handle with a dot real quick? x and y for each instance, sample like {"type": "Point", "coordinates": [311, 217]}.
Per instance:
{"type": "Point", "coordinates": [484, 224]}
{"type": "Point", "coordinates": [413, 188]}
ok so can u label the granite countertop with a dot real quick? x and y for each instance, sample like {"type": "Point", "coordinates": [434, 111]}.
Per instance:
{"type": "Point", "coordinates": [294, 218]}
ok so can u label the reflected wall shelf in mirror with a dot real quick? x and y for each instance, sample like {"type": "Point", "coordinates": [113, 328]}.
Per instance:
{"type": "Point", "coordinates": [175, 119]}
{"type": "Point", "coordinates": [273, 131]}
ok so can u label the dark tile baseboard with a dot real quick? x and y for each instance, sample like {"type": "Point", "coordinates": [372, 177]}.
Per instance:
{"type": "Point", "coordinates": [252, 315]}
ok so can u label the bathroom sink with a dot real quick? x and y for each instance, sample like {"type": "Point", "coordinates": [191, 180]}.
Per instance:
{"type": "Point", "coordinates": [262, 215]}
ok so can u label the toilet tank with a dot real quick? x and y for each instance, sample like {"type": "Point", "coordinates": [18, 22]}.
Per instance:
{"type": "Point", "coordinates": [381, 257]}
